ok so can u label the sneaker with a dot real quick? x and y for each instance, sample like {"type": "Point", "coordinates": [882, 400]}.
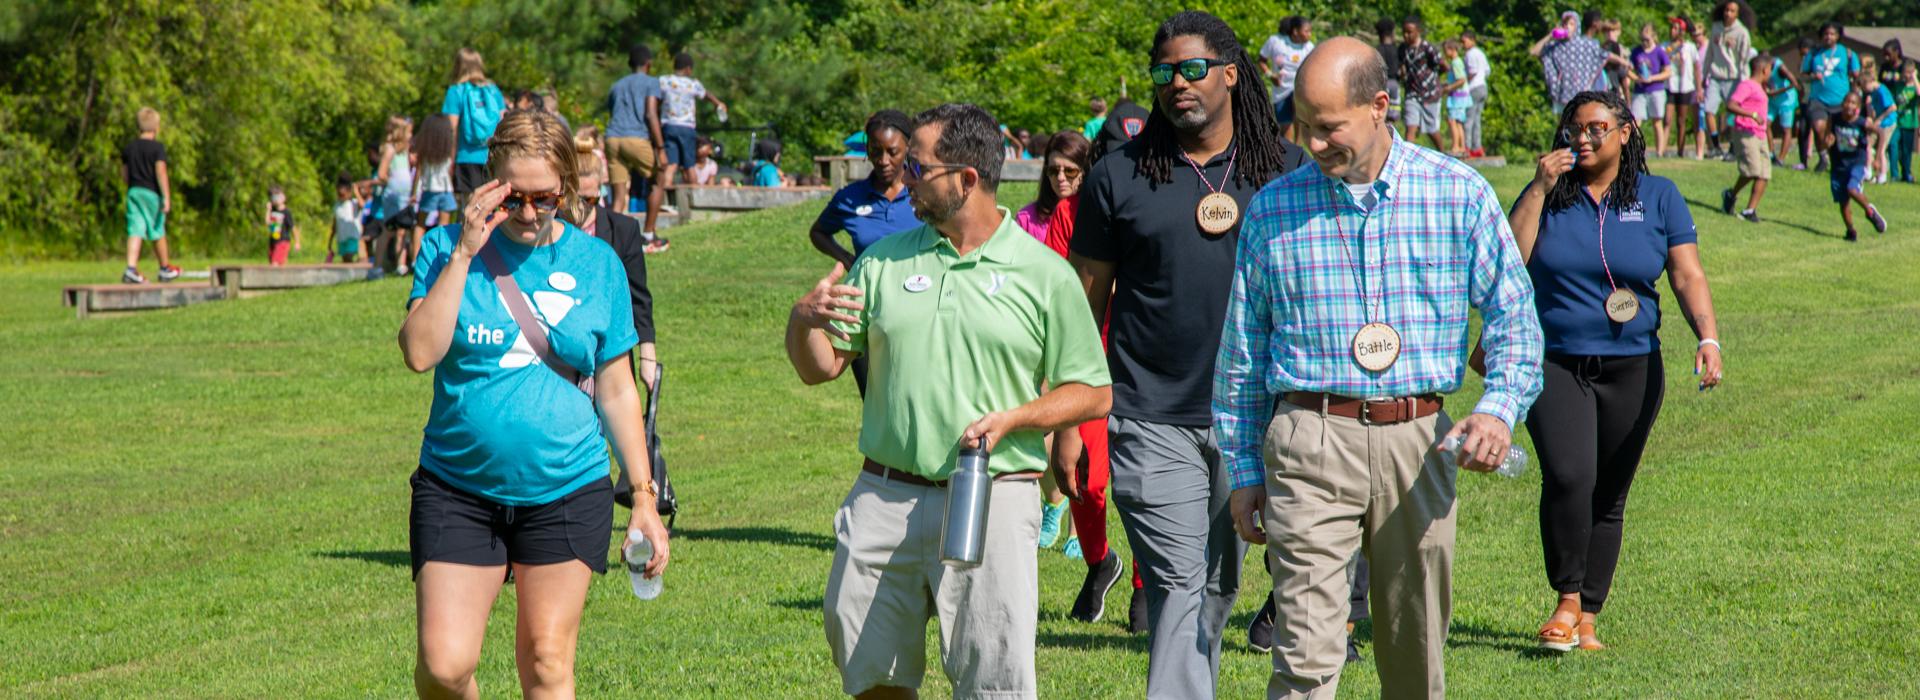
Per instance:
{"type": "Point", "coordinates": [1353, 649]}
{"type": "Point", "coordinates": [1091, 604]}
{"type": "Point", "coordinates": [1050, 523]}
{"type": "Point", "coordinates": [169, 273]}
{"type": "Point", "coordinates": [1800, 167]}
{"type": "Point", "coordinates": [132, 276]}
{"type": "Point", "coordinates": [669, 210]}
{"type": "Point", "coordinates": [1879, 222]}
{"type": "Point", "coordinates": [1072, 550]}
{"type": "Point", "coordinates": [1137, 612]}
{"type": "Point", "coordinates": [1260, 630]}
{"type": "Point", "coordinates": [401, 270]}
{"type": "Point", "coordinates": [1852, 236]}
{"type": "Point", "coordinates": [658, 245]}
{"type": "Point", "coordinates": [1726, 201]}
{"type": "Point", "coordinates": [1750, 215]}
{"type": "Point", "coordinates": [1821, 166]}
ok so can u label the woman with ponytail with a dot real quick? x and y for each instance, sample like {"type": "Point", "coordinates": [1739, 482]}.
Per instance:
{"type": "Point", "coordinates": [526, 324]}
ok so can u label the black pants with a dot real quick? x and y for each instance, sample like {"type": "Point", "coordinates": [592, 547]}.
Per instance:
{"type": "Point", "coordinates": [1590, 426]}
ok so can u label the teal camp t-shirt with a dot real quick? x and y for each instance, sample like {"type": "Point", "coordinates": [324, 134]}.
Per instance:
{"type": "Point", "coordinates": [502, 426]}
{"type": "Point", "coordinates": [460, 102]}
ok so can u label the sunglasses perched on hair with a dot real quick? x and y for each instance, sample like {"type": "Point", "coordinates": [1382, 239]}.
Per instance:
{"type": "Point", "coordinates": [916, 170]}
{"type": "Point", "coordinates": [1193, 69]}
{"type": "Point", "coordinates": [543, 202]}
{"type": "Point", "coordinates": [1594, 132]}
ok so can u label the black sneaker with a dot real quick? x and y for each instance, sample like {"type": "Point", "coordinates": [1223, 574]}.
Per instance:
{"type": "Point", "coordinates": [1137, 612]}
{"type": "Point", "coordinates": [1726, 201]}
{"type": "Point", "coordinates": [1260, 630]}
{"type": "Point", "coordinates": [132, 276]}
{"type": "Point", "coordinates": [1353, 649]}
{"type": "Point", "coordinates": [1879, 222]}
{"type": "Point", "coordinates": [1750, 215]}
{"type": "Point", "coordinates": [1091, 604]}
{"type": "Point", "coordinates": [1852, 236]}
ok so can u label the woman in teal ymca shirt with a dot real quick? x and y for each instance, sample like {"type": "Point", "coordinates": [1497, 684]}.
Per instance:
{"type": "Point", "coordinates": [1598, 231]}
{"type": "Point", "coordinates": [513, 467]}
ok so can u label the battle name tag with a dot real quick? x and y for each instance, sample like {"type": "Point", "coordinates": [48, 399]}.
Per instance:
{"type": "Point", "coordinates": [918, 283]}
{"type": "Point", "coordinates": [1376, 347]}
{"type": "Point", "coordinates": [1217, 213]}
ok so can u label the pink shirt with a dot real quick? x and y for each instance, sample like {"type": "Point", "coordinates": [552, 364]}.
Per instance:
{"type": "Point", "coordinates": [1032, 222]}
{"type": "Point", "coordinates": [1749, 97]}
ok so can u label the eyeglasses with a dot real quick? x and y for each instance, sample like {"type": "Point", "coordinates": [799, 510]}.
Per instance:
{"type": "Point", "coordinates": [1594, 132]}
{"type": "Point", "coordinates": [1193, 69]}
{"type": "Point", "coordinates": [542, 202]}
{"type": "Point", "coordinates": [1069, 173]}
{"type": "Point", "coordinates": [916, 170]}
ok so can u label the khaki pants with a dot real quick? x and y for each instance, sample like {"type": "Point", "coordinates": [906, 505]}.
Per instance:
{"type": "Point", "coordinates": [629, 157]}
{"type": "Point", "coordinates": [1335, 485]}
{"type": "Point", "coordinates": [887, 580]}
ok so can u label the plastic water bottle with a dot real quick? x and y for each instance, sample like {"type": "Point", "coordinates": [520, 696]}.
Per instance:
{"type": "Point", "coordinates": [638, 551]}
{"type": "Point", "coordinates": [1514, 465]}
{"type": "Point", "coordinates": [964, 536]}
{"type": "Point", "coordinates": [722, 114]}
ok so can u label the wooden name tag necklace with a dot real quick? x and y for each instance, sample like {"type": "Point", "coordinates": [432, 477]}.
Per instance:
{"type": "Point", "coordinates": [1217, 212]}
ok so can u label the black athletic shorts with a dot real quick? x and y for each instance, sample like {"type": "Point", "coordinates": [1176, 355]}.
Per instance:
{"type": "Point", "coordinates": [451, 525]}
{"type": "Point", "coordinates": [468, 177]}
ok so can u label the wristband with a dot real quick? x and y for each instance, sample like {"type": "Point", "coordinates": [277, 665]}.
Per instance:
{"type": "Point", "coordinates": [1708, 341]}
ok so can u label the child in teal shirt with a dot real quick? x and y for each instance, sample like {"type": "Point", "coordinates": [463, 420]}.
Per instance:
{"type": "Point", "coordinates": [1458, 100]}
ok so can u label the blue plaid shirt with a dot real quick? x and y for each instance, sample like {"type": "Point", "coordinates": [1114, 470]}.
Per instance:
{"type": "Point", "coordinates": [1436, 241]}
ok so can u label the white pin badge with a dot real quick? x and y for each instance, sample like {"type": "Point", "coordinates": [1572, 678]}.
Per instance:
{"type": "Point", "coordinates": [918, 283]}
{"type": "Point", "coordinates": [864, 210]}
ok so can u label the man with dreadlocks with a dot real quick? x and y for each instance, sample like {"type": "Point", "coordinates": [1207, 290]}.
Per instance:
{"type": "Point", "coordinates": [1348, 321]}
{"type": "Point", "coordinates": [1156, 231]}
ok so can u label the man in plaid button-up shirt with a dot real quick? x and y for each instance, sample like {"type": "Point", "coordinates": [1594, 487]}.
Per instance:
{"type": "Point", "coordinates": [1324, 451]}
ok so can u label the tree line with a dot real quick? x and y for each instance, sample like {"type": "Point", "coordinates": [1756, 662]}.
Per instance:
{"type": "Point", "coordinates": [290, 92]}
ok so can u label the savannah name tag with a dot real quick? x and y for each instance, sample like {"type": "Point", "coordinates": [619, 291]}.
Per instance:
{"type": "Point", "coordinates": [1217, 213]}
{"type": "Point", "coordinates": [1622, 305]}
{"type": "Point", "coordinates": [918, 283]}
{"type": "Point", "coordinates": [1376, 346]}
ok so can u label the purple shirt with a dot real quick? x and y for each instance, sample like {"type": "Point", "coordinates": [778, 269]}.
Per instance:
{"type": "Point", "coordinates": [1648, 63]}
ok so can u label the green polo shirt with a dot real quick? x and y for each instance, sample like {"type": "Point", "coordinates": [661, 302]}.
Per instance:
{"type": "Point", "coordinates": [951, 338]}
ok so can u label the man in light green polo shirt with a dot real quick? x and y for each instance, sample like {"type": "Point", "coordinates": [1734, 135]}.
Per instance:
{"type": "Point", "coordinates": [973, 330]}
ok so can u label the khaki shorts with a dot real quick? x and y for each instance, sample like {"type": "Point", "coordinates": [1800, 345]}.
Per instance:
{"type": "Point", "coordinates": [1750, 154]}
{"type": "Point", "coordinates": [628, 157]}
{"type": "Point", "coordinates": [887, 581]}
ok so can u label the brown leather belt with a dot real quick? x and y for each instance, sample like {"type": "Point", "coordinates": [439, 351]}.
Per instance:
{"type": "Point", "coordinates": [891, 474]}
{"type": "Point", "coordinates": [1386, 412]}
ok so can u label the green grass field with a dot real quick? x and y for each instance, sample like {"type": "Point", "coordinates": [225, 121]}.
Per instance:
{"type": "Point", "coordinates": [212, 501]}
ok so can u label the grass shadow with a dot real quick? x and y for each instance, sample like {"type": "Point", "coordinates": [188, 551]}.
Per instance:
{"type": "Point", "coordinates": [1474, 635]}
{"type": "Point", "coordinates": [1118, 639]}
{"type": "Point", "coordinates": [759, 535]}
{"type": "Point", "coordinates": [1698, 205]}
{"type": "Point", "coordinates": [814, 604]}
{"type": "Point", "coordinates": [387, 557]}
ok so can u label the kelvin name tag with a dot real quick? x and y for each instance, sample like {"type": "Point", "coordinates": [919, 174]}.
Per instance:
{"type": "Point", "coordinates": [1217, 213]}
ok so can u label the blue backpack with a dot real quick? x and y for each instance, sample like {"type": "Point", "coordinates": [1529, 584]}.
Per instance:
{"type": "Point", "coordinates": [481, 114]}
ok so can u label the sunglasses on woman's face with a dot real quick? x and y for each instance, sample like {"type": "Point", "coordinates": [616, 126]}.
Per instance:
{"type": "Point", "coordinates": [1593, 132]}
{"type": "Point", "coordinates": [542, 202]}
{"type": "Point", "coordinates": [1193, 69]}
{"type": "Point", "coordinates": [590, 200]}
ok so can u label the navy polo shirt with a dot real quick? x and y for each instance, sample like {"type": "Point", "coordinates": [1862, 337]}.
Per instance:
{"type": "Point", "coordinates": [1570, 284]}
{"type": "Point", "coordinates": [865, 213]}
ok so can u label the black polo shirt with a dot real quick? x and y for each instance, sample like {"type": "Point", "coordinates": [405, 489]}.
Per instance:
{"type": "Point", "coordinates": [1171, 280]}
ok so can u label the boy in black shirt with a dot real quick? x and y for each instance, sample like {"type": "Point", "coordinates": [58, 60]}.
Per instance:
{"type": "Point", "coordinates": [1846, 142]}
{"type": "Point", "coordinates": [143, 163]}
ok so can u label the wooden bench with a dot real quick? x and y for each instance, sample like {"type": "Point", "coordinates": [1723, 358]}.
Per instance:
{"type": "Point", "coordinates": [114, 299]}
{"type": "Point", "coordinates": [246, 281]}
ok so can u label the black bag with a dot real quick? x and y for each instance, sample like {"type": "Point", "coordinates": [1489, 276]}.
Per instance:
{"type": "Point", "coordinates": [666, 504]}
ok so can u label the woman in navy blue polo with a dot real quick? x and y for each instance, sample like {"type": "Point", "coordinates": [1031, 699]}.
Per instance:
{"type": "Point", "coordinates": [870, 209]}
{"type": "Point", "coordinates": [1597, 231]}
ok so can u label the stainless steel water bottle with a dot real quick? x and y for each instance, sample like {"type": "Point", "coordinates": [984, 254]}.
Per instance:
{"type": "Point", "coordinates": [968, 492]}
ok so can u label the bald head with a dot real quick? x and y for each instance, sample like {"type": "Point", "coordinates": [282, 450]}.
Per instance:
{"type": "Point", "coordinates": [1342, 72]}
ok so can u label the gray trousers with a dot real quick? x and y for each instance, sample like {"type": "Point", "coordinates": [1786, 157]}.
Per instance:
{"type": "Point", "coordinates": [1474, 114]}
{"type": "Point", "coordinates": [1171, 490]}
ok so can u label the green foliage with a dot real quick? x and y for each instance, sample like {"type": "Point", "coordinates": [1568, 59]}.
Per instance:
{"type": "Point", "coordinates": [291, 91]}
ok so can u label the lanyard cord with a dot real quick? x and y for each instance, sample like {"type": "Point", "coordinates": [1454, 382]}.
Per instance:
{"type": "Point", "coordinates": [1203, 175]}
{"type": "Point", "coordinates": [1369, 306]}
{"type": "Point", "coordinates": [1602, 226]}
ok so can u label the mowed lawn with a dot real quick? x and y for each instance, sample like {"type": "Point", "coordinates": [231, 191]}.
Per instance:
{"type": "Point", "coordinates": [212, 501]}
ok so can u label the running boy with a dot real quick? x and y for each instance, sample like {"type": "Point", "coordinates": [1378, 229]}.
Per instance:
{"type": "Point", "coordinates": [282, 233]}
{"type": "Point", "coordinates": [1847, 149]}
{"type": "Point", "coordinates": [1458, 100]}
{"type": "Point", "coordinates": [143, 165]}
{"type": "Point", "coordinates": [1748, 107]}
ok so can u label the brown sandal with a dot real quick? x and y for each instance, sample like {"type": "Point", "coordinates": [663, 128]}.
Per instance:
{"type": "Point", "coordinates": [1586, 637]}
{"type": "Point", "coordinates": [1558, 636]}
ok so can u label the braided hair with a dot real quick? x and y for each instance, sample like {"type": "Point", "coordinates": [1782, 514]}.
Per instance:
{"type": "Point", "coordinates": [1625, 190]}
{"type": "Point", "coordinates": [1256, 133]}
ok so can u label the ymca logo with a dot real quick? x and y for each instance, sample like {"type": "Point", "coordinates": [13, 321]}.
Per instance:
{"type": "Point", "coordinates": [550, 307]}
